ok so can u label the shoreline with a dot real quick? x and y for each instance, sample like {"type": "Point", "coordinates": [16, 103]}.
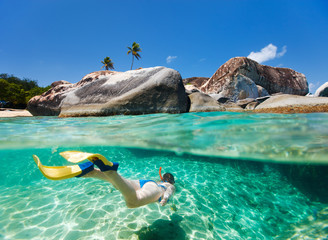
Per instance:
{"type": "Point", "coordinates": [9, 112]}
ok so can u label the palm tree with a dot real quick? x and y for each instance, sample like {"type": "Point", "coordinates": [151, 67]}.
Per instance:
{"type": "Point", "coordinates": [134, 50]}
{"type": "Point", "coordinates": [108, 64]}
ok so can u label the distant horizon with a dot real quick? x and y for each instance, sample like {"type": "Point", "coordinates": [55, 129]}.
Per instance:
{"type": "Point", "coordinates": [48, 41]}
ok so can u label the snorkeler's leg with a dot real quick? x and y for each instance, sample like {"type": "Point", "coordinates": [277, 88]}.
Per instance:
{"type": "Point", "coordinates": [130, 189]}
{"type": "Point", "coordinates": [103, 176]}
{"type": "Point", "coordinates": [134, 195]}
{"type": "Point", "coordinates": [96, 174]}
{"type": "Point", "coordinates": [127, 187]}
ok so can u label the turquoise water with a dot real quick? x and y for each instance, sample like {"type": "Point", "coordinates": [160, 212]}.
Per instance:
{"type": "Point", "coordinates": [238, 176]}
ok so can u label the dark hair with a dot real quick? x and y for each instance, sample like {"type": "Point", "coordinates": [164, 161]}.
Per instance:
{"type": "Point", "coordinates": [168, 177]}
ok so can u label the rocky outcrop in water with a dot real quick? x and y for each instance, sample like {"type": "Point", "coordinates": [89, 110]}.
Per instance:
{"type": "Point", "coordinates": [103, 93]}
{"type": "Point", "coordinates": [240, 77]}
{"type": "Point", "coordinates": [240, 84]}
{"type": "Point", "coordinates": [322, 91]}
{"type": "Point", "coordinates": [293, 104]}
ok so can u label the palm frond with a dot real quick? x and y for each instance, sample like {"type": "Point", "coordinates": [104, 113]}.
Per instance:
{"type": "Point", "coordinates": [107, 63]}
{"type": "Point", "coordinates": [134, 50]}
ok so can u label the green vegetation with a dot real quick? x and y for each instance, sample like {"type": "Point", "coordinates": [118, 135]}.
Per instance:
{"type": "Point", "coordinates": [17, 92]}
{"type": "Point", "coordinates": [108, 64]}
{"type": "Point", "coordinates": [134, 50]}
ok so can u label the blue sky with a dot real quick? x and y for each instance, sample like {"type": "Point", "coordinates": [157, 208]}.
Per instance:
{"type": "Point", "coordinates": [51, 40]}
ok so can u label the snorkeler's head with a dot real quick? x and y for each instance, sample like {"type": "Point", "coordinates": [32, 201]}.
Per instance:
{"type": "Point", "coordinates": [168, 177]}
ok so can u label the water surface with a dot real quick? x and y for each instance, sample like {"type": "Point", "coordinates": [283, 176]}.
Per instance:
{"type": "Point", "coordinates": [268, 137]}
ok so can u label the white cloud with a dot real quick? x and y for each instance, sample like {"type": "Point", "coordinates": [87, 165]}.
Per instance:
{"type": "Point", "coordinates": [169, 59]}
{"type": "Point", "coordinates": [283, 51]}
{"type": "Point", "coordinates": [267, 53]}
{"type": "Point", "coordinates": [202, 60]}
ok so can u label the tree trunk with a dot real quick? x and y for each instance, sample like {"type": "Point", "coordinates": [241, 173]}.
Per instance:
{"type": "Point", "coordinates": [132, 61]}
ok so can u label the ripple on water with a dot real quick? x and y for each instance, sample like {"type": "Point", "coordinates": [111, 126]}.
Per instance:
{"type": "Point", "coordinates": [265, 137]}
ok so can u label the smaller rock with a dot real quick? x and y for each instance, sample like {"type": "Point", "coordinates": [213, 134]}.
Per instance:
{"type": "Point", "coordinates": [244, 102]}
{"type": "Point", "coordinates": [195, 81]}
{"type": "Point", "coordinates": [287, 103]}
{"type": "Point", "coordinates": [252, 105]}
{"type": "Point", "coordinates": [223, 100]}
{"type": "Point", "coordinates": [200, 102]}
{"type": "Point", "coordinates": [245, 88]}
{"type": "Point", "coordinates": [191, 89]}
{"type": "Point", "coordinates": [193, 84]}
{"type": "Point", "coordinates": [322, 91]}
{"type": "Point", "coordinates": [233, 107]}
{"type": "Point", "coordinates": [262, 91]}
{"type": "Point", "coordinates": [215, 96]}
{"type": "Point", "coordinates": [240, 87]}
{"type": "Point", "coordinates": [262, 99]}
{"type": "Point", "coordinates": [242, 95]}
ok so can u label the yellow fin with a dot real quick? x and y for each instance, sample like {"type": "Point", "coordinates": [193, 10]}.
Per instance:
{"type": "Point", "coordinates": [57, 173]}
{"type": "Point", "coordinates": [77, 156]}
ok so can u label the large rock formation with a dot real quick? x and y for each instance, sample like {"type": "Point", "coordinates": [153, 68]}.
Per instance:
{"type": "Point", "coordinates": [238, 79]}
{"type": "Point", "coordinates": [322, 91]}
{"type": "Point", "coordinates": [149, 90]}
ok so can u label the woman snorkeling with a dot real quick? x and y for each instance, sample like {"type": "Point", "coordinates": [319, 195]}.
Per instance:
{"type": "Point", "coordinates": [136, 193]}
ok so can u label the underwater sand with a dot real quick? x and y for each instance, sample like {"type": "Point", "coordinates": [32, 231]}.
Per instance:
{"type": "Point", "coordinates": [219, 196]}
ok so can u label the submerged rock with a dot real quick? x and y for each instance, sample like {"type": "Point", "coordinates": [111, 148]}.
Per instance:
{"type": "Point", "coordinates": [322, 91]}
{"type": "Point", "coordinates": [293, 104]}
{"type": "Point", "coordinates": [237, 79]}
{"type": "Point", "coordinates": [102, 93]}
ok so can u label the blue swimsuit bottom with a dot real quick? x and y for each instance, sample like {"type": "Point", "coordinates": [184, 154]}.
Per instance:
{"type": "Point", "coordinates": [143, 182]}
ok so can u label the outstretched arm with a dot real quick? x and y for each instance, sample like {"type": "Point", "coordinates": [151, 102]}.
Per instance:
{"type": "Point", "coordinates": [167, 194]}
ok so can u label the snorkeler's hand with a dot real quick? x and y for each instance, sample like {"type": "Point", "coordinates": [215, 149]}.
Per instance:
{"type": "Point", "coordinates": [163, 202]}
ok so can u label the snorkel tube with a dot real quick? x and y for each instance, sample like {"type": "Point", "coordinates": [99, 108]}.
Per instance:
{"type": "Point", "coordinates": [160, 173]}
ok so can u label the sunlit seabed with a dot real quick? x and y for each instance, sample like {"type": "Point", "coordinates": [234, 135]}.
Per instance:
{"type": "Point", "coordinates": [216, 198]}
